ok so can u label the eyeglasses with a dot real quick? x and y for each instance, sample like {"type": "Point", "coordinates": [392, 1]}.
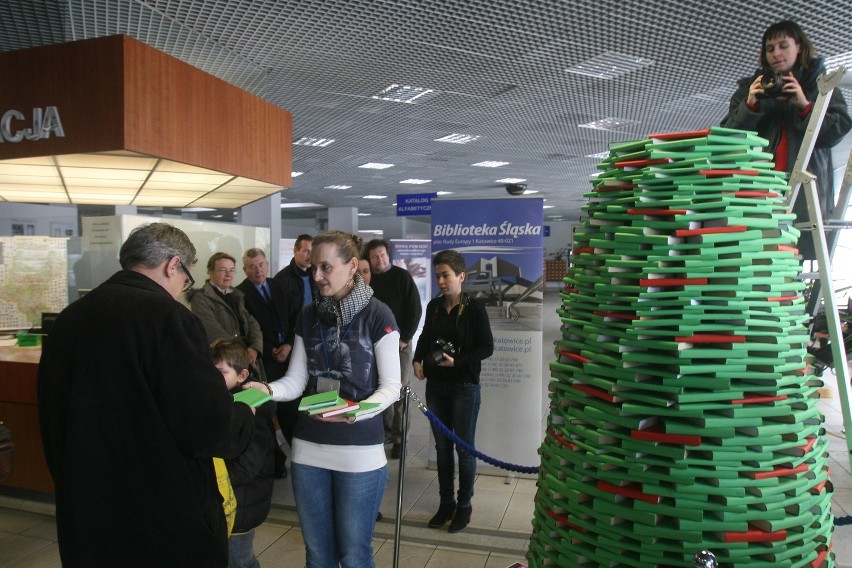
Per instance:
{"type": "Point", "coordinates": [225, 270]}
{"type": "Point", "coordinates": [190, 281]}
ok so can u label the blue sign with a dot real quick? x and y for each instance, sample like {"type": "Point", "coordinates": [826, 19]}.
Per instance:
{"type": "Point", "coordinates": [547, 230]}
{"type": "Point", "coordinates": [414, 204]}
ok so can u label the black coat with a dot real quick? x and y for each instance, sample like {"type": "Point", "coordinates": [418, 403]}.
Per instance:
{"type": "Point", "coordinates": [251, 472]}
{"type": "Point", "coordinates": [292, 277]}
{"type": "Point", "coordinates": [132, 409]}
{"type": "Point", "coordinates": [275, 317]}
{"type": "Point", "coordinates": [471, 335]}
{"type": "Point", "coordinates": [772, 115]}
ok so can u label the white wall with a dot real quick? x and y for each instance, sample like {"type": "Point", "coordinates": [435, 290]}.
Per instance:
{"type": "Point", "coordinates": [560, 237]}
{"type": "Point", "coordinates": [45, 220]}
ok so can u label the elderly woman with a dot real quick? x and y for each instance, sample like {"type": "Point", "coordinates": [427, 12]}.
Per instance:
{"type": "Point", "coordinates": [222, 308]}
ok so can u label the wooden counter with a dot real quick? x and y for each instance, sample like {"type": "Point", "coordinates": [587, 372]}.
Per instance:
{"type": "Point", "coordinates": [19, 413]}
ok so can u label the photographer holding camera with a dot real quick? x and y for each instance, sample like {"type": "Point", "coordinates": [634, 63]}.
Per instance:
{"type": "Point", "coordinates": [776, 102]}
{"type": "Point", "coordinates": [456, 338]}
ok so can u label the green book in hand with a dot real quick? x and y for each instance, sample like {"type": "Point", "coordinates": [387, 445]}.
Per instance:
{"type": "Point", "coordinates": [318, 400]}
{"type": "Point", "coordinates": [364, 409]}
{"type": "Point", "coordinates": [252, 397]}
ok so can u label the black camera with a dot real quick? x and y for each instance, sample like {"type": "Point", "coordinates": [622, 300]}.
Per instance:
{"type": "Point", "coordinates": [439, 347]}
{"type": "Point", "coordinates": [772, 84]}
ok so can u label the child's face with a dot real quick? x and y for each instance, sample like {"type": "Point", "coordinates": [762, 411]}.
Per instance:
{"type": "Point", "coordinates": [232, 377]}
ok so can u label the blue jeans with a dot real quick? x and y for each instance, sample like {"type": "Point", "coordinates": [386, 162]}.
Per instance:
{"type": "Point", "coordinates": [241, 551]}
{"type": "Point", "coordinates": [457, 406]}
{"type": "Point", "coordinates": [337, 513]}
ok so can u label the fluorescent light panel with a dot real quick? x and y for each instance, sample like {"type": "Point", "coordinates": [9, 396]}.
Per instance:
{"type": "Point", "coordinates": [609, 65]}
{"type": "Point", "coordinates": [124, 178]}
{"type": "Point", "coordinates": [609, 124]}
{"type": "Point", "coordinates": [375, 166]}
{"type": "Point", "coordinates": [415, 181]}
{"type": "Point", "coordinates": [510, 180]}
{"type": "Point", "coordinates": [337, 187]}
{"type": "Point", "coordinates": [316, 142]}
{"type": "Point", "coordinates": [375, 197]}
{"type": "Point", "coordinates": [402, 94]}
{"type": "Point", "coordinates": [458, 138]}
{"type": "Point", "coordinates": [488, 164]}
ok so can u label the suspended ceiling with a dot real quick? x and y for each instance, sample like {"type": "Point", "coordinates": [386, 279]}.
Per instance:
{"type": "Point", "coordinates": [539, 86]}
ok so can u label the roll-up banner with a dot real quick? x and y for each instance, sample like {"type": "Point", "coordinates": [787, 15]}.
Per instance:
{"type": "Point", "coordinates": [502, 243]}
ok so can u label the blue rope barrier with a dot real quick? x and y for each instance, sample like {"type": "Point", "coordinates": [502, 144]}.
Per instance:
{"type": "Point", "coordinates": [841, 521]}
{"type": "Point", "coordinates": [473, 451]}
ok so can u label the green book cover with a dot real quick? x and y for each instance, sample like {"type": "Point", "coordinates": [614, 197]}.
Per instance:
{"type": "Point", "coordinates": [320, 399]}
{"type": "Point", "coordinates": [252, 397]}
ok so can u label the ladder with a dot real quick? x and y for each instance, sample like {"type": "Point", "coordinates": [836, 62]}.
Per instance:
{"type": "Point", "coordinates": [802, 179]}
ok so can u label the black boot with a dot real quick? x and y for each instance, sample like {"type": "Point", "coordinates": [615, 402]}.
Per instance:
{"type": "Point", "coordinates": [461, 519]}
{"type": "Point", "coordinates": [444, 514]}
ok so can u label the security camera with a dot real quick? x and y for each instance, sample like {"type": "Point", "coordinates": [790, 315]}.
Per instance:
{"type": "Point", "coordinates": [516, 188]}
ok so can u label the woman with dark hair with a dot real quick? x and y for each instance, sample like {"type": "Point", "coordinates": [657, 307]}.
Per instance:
{"type": "Point", "coordinates": [345, 340]}
{"type": "Point", "coordinates": [789, 68]}
{"type": "Point", "coordinates": [456, 338]}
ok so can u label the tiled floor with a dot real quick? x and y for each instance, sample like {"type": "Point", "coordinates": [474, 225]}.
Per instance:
{"type": "Point", "coordinates": [497, 537]}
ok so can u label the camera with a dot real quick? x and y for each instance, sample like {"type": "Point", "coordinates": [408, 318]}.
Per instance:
{"type": "Point", "coordinates": [516, 188]}
{"type": "Point", "coordinates": [439, 347]}
{"type": "Point", "coordinates": [772, 84]}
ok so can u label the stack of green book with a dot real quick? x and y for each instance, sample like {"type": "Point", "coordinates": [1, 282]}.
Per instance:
{"type": "Point", "coordinates": [682, 411]}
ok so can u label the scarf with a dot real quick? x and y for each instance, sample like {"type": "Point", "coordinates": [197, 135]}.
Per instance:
{"type": "Point", "coordinates": [346, 309]}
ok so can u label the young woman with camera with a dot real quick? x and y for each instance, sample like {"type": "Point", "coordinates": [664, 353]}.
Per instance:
{"type": "Point", "coordinates": [776, 102]}
{"type": "Point", "coordinates": [456, 338]}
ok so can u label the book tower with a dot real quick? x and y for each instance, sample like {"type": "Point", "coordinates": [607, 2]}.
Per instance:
{"type": "Point", "coordinates": [683, 415]}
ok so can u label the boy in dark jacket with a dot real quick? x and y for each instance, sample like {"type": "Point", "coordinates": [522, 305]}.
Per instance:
{"type": "Point", "coordinates": [250, 472]}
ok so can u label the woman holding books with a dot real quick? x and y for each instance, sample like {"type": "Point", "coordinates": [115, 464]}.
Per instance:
{"type": "Point", "coordinates": [348, 342]}
{"type": "Point", "coordinates": [776, 101]}
{"type": "Point", "coordinates": [456, 338]}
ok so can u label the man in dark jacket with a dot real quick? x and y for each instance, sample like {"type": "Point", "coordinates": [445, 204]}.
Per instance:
{"type": "Point", "coordinates": [395, 287]}
{"type": "Point", "coordinates": [132, 410]}
{"type": "Point", "coordinates": [297, 280]}
{"type": "Point", "coordinates": [269, 302]}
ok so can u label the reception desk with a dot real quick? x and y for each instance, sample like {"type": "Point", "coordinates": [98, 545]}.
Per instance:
{"type": "Point", "coordinates": [19, 412]}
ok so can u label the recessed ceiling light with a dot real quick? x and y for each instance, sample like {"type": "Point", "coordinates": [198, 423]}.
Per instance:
{"type": "Point", "coordinates": [375, 166]}
{"type": "Point", "coordinates": [599, 155]}
{"type": "Point", "coordinates": [364, 214]}
{"type": "Point", "coordinates": [609, 123]}
{"type": "Point", "coordinates": [296, 174]}
{"type": "Point", "coordinates": [548, 206]}
{"type": "Point", "coordinates": [375, 197]}
{"type": "Point", "coordinates": [445, 193]}
{"type": "Point", "coordinates": [416, 181]}
{"type": "Point", "coordinates": [219, 216]}
{"type": "Point", "coordinates": [457, 138]}
{"type": "Point", "coordinates": [510, 180]}
{"type": "Point", "coordinates": [319, 142]}
{"type": "Point", "coordinates": [301, 205]}
{"type": "Point", "coordinates": [490, 164]}
{"type": "Point", "coordinates": [609, 65]}
{"type": "Point", "coordinates": [530, 191]}
{"type": "Point", "coordinates": [401, 93]}
{"type": "Point", "coordinates": [195, 209]}
{"type": "Point", "coordinates": [337, 187]}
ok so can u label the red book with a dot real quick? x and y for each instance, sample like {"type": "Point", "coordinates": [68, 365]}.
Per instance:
{"type": "Point", "coordinates": [680, 135]}
{"type": "Point", "coordinates": [754, 535]}
{"type": "Point", "coordinates": [335, 411]}
{"type": "Point", "coordinates": [656, 434]}
{"type": "Point", "coordinates": [628, 491]}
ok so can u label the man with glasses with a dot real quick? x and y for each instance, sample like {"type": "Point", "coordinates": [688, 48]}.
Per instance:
{"type": "Point", "coordinates": [132, 410]}
{"type": "Point", "coordinates": [268, 302]}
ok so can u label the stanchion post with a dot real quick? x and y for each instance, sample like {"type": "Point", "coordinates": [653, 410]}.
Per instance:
{"type": "Point", "coordinates": [406, 392]}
